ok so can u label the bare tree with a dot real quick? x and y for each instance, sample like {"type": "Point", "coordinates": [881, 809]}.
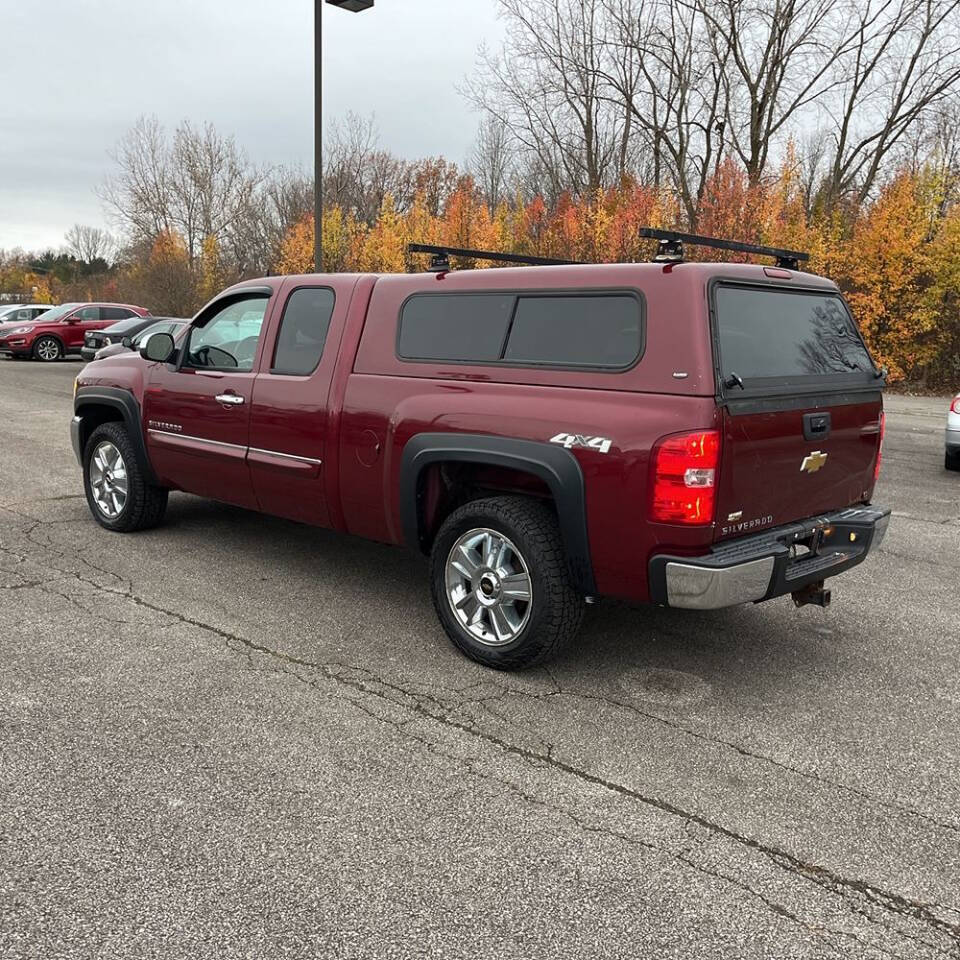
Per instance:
{"type": "Point", "coordinates": [665, 73]}
{"type": "Point", "coordinates": [777, 59]}
{"type": "Point", "coordinates": [901, 66]}
{"type": "Point", "coordinates": [198, 184]}
{"type": "Point", "coordinates": [139, 195]}
{"type": "Point", "coordinates": [491, 160]}
{"type": "Point", "coordinates": [212, 184]}
{"type": "Point", "coordinates": [547, 88]}
{"type": "Point", "coordinates": [89, 243]}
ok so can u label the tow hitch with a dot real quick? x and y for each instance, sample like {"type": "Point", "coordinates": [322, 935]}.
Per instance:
{"type": "Point", "coordinates": [812, 593]}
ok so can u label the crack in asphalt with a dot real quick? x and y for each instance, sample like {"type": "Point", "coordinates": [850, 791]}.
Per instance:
{"type": "Point", "coordinates": [432, 708]}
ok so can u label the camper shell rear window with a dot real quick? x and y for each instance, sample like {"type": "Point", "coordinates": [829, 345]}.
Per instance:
{"type": "Point", "coordinates": [767, 335]}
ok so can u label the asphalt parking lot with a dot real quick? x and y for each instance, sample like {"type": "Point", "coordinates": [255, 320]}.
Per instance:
{"type": "Point", "coordinates": [234, 736]}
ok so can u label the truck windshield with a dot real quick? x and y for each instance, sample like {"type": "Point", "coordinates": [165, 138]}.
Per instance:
{"type": "Point", "coordinates": [788, 334]}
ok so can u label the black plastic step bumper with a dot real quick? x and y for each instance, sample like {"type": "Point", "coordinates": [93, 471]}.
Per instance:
{"type": "Point", "coordinates": [771, 564]}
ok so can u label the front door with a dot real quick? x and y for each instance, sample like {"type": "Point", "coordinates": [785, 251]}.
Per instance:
{"type": "Point", "coordinates": [77, 324]}
{"type": "Point", "coordinates": [290, 416]}
{"type": "Point", "coordinates": [197, 410]}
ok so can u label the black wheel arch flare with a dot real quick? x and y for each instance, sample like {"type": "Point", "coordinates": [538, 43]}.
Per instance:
{"type": "Point", "coordinates": [553, 464]}
{"type": "Point", "coordinates": [124, 402]}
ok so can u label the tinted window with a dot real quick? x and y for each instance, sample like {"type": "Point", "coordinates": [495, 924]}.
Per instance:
{"type": "Point", "coordinates": [781, 333]}
{"type": "Point", "coordinates": [455, 326]}
{"type": "Point", "coordinates": [228, 339]}
{"type": "Point", "coordinates": [87, 314]}
{"type": "Point", "coordinates": [115, 313]}
{"type": "Point", "coordinates": [600, 331]}
{"type": "Point", "coordinates": [303, 331]}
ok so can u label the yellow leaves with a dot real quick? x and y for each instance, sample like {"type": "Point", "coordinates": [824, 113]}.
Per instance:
{"type": "Point", "coordinates": [168, 248]}
{"type": "Point", "coordinates": [897, 259]}
{"type": "Point", "coordinates": [211, 271]}
{"type": "Point", "coordinates": [296, 251]}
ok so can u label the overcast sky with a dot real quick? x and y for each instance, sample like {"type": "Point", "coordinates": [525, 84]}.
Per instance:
{"type": "Point", "coordinates": [75, 74]}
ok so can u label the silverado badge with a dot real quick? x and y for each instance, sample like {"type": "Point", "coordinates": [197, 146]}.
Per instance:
{"type": "Point", "coordinates": [812, 462]}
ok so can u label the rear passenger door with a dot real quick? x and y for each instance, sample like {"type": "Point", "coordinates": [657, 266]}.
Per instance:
{"type": "Point", "coordinates": [290, 419]}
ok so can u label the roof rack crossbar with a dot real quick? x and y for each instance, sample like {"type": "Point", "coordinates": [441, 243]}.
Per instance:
{"type": "Point", "coordinates": [671, 247]}
{"type": "Point", "coordinates": [441, 256]}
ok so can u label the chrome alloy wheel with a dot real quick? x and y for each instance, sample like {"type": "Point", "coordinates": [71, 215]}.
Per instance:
{"type": "Point", "coordinates": [488, 586]}
{"type": "Point", "coordinates": [48, 349]}
{"type": "Point", "coordinates": [108, 480]}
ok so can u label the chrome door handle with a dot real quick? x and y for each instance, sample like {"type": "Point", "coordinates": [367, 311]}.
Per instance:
{"type": "Point", "coordinates": [229, 399]}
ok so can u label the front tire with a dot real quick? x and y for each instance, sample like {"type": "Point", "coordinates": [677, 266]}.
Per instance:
{"type": "Point", "coordinates": [498, 577]}
{"type": "Point", "coordinates": [48, 349]}
{"type": "Point", "coordinates": [118, 494]}
{"type": "Point", "coordinates": [951, 460]}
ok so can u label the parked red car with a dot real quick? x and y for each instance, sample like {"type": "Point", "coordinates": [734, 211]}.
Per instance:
{"type": "Point", "coordinates": [60, 331]}
{"type": "Point", "coordinates": [697, 435]}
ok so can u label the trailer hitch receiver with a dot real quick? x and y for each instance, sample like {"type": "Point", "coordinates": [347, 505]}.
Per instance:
{"type": "Point", "coordinates": [812, 593]}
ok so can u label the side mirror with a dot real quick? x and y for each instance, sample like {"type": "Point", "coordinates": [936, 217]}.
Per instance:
{"type": "Point", "coordinates": [127, 342]}
{"type": "Point", "coordinates": [158, 348]}
{"type": "Point", "coordinates": [72, 320]}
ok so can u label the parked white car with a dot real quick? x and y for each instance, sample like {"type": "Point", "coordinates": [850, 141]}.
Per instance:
{"type": "Point", "coordinates": [951, 458]}
{"type": "Point", "coordinates": [22, 312]}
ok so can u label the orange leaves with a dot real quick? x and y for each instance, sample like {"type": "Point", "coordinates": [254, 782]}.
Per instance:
{"type": "Point", "coordinates": [296, 251]}
{"type": "Point", "coordinates": [897, 258]}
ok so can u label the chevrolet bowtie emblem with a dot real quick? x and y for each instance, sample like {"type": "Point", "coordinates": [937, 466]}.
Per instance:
{"type": "Point", "coordinates": [813, 462]}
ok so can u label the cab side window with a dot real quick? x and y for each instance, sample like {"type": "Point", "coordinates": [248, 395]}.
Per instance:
{"type": "Point", "coordinates": [228, 339]}
{"type": "Point", "coordinates": [87, 314]}
{"type": "Point", "coordinates": [303, 331]}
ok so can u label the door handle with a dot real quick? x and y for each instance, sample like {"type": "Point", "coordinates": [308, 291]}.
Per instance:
{"type": "Point", "coordinates": [229, 399]}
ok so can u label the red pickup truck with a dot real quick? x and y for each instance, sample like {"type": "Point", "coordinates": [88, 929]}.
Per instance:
{"type": "Point", "coordinates": [690, 434]}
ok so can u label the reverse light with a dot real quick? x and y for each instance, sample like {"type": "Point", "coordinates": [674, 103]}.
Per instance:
{"type": "Point", "coordinates": [684, 486]}
{"type": "Point", "coordinates": [955, 406]}
{"type": "Point", "coordinates": [883, 430]}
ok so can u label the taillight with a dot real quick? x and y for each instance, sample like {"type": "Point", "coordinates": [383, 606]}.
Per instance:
{"type": "Point", "coordinates": [685, 478]}
{"type": "Point", "coordinates": [955, 406]}
{"type": "Point", "coordinates": [883, 430]}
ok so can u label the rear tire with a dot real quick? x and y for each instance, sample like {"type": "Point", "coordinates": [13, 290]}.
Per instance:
{"type": "Point", "coordinates": [48, 349]}
{"type": "Point", "coordinates": [118, 494]}
{"type": "Point", "coordinates": [498, 577]}
{"type": "Point", "coordinates": [951, 460]}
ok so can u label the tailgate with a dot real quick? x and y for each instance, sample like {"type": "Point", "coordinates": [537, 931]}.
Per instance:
{"type": "Point", "coordinates": [802, 407]}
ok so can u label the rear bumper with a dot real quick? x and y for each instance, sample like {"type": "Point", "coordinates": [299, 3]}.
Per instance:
{"type": "Point", "coordinates": [88, 353]}
{"type": "Point", "coordinates": [953, 439]}
{"type": "Point", "coordinates": [770, 564]}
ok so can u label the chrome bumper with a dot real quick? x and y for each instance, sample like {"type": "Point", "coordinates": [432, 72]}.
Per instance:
{"type": "Point", "coordinates": [767, 565]}
{"type": "Point", "coordinates": [700, 588]}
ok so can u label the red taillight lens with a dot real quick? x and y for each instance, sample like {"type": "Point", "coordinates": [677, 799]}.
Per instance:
{"type": "Point", "coordinates": [883, 430]}
{"type": "Point", "coordinates": [685, 478]}
{"type": "Point", "coordinates": [955, 406]}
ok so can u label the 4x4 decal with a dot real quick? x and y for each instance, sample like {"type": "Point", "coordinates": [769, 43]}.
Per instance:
{"type": "Point", "coordinates": [569, 440]}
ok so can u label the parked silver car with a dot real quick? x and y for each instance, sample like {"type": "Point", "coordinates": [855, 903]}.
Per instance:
{"type": "Point", "coordinates": [951, 458]}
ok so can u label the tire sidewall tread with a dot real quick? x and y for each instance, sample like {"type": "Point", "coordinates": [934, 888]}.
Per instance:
{"type": "Point", "coordinates": [145, 504]}
{"type": "Point", "coordinates": [36, 349]}
{"type": "Point", "coordinates": [557, 606]}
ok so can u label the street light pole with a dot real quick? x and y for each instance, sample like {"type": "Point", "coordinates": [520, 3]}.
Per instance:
{"type": "Point", "coordinates": [354, 6]}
